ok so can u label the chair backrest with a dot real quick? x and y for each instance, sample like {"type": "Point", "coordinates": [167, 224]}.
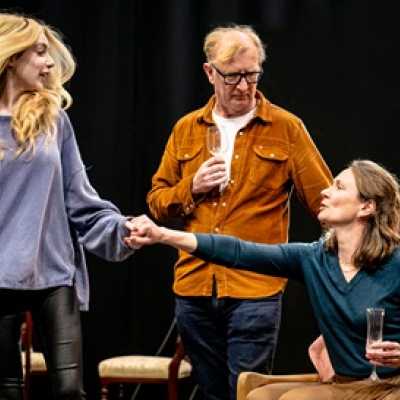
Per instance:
{"type": "Point", "coordinates": [178, 356]}
{"type": "Point", "coordinates": [319, 356]}
{"type": "Point", "coordinates": [248, 381]}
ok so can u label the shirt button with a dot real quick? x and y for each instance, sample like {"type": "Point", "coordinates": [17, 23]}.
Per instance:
{"type": "Point", "coordinates": [236, 156]}
{"type": "Point", "coordinates": [216, 229]}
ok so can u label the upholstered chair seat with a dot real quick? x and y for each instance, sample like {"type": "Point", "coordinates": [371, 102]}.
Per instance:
{"type": "Point", "coordinates": [38, 365]}
{"type": "Point", "coordinates": [141, 367]}
{"type": "Point", "coordinates": [133, 369]}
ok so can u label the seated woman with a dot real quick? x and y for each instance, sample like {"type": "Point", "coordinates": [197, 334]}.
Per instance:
{"type": "Point", "coordinates": [355, 265]}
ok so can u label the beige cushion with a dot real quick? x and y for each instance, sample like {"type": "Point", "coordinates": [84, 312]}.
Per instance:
{"type": "Point", "coordinates": [37, 361]}
{"type": "Point", "coordinates": [140, 367]}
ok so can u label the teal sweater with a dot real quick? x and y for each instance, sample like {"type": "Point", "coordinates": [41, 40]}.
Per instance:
{"type": "Point", "coordinates": [339, 306]}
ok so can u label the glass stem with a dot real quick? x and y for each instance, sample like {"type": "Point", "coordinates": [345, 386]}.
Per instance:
{"type": "Point", "coordinates": [374, 376]}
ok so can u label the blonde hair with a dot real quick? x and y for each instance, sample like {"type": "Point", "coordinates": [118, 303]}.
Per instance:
{"type": "Point", "coordinates": [382, 235]}
{"type": "Point", "coordinates": [35, 112]}
{"type": "Point", "coordinates": [233, 45]}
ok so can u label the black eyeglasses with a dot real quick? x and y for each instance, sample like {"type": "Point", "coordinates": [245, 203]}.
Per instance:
{"type": "Point", "coordinates": [234, 78]}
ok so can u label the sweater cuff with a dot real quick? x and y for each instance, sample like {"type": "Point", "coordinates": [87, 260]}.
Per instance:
{"type": "Point", "coordinates": [205, 245]}
{"type": "Point", "coordinates": [123, 231]}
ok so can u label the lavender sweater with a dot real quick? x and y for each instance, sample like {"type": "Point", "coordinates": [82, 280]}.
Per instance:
{"type": "Point", "coordinates": [49, 212]}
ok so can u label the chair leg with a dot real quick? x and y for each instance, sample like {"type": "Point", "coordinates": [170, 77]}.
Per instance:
{"type": "Point", "coordinates": [104, 392]}
{"type": "Point", "coordinates": [121, 391]}
{"type": "Point", "coordinates": [172, 389]}
{"type": "Point", "coordinates": [26, 391]}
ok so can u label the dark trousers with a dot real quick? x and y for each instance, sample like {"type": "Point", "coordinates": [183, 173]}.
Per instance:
{"type": "Point", "coordinates": [56, 315]}
{"type": "Point", "coordinates": [224, 337]}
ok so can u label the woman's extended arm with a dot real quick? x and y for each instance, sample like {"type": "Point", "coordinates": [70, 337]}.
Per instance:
{"type": "Point", "coordinates": [277, 260]}
{"type": "Point", "coordinates": [97, 223]}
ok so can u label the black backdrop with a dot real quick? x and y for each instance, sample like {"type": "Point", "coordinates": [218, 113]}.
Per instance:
{"type": "Point", "coordinates": [332, 62]}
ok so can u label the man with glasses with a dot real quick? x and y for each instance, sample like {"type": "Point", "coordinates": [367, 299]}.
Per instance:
{"type": "Point", "coordinates": [229, 319]}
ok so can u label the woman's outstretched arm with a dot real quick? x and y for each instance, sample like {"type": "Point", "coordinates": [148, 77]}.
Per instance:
{"type": "Point", "coordinates": [278, 260]}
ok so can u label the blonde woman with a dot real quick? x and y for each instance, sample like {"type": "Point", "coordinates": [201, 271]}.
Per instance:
{"type": "Point", "coordinates": [48, 209]}
{"type": "Point", "coordinates": [357, 265]}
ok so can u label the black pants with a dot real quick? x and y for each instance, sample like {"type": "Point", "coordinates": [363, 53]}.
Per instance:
{"type": "Point", "coordinates": [56, 315]}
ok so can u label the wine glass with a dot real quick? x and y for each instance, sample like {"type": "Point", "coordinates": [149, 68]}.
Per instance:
{"type": "Point", "coordinates": [216, 144]}
{"type": "Point", "coordinates": [374, 332]}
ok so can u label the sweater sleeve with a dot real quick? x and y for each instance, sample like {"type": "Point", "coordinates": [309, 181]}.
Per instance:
{"type": "Point", "coordinates": [284, 260]}
{"type": "Point", "coordinates": [98, 223]}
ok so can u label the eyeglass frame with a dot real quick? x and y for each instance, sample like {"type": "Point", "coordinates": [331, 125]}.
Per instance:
{"type": "Point", "coordinates": [240, 76]}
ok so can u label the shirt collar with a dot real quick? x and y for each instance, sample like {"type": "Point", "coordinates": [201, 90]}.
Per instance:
{"type": "Point", "coordinates": [263, 111]}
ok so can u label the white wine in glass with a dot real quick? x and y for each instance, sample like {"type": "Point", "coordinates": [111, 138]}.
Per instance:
{"type": "Point", "coordinates": [374, 333]}
{"type": "Point", "coordinates": [216, 144]}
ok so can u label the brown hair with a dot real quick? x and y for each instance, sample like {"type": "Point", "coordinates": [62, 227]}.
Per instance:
{"type": "Point", "coordinates": [382, 235]}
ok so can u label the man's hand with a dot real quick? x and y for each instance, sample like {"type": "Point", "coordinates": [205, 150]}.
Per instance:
{"type": "Point", "coordinates": [211, 174]}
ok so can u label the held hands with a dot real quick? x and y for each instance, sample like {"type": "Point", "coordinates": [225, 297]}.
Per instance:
{"type": "Point", "coordinates": [384, 354]}
{"type": "Point", "coordinates": [211, 174]}
{"type": "Point", "coordinates": [143, 231]}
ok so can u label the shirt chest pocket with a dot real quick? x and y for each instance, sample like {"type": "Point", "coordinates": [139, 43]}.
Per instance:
{"type": "Point", "coordinates": [190, 159]}
{"type": "Point", "coordinates": [269, 166]}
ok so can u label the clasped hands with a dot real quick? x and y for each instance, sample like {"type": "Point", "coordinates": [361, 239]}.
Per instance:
{"type": "Point", "coordinates": [142, 231]}
{"type": "Point", "coordinates": [384, 354]}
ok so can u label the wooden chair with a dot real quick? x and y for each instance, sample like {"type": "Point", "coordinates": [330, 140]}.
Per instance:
{"type": "Point", "coordinates": [33, 362]}
{"type": "Point", "coordinates": [251, 380]}
{"type": "Point", "coordinates": [135, 369]}
{"type": "Point", "coordinates": [319, 357]}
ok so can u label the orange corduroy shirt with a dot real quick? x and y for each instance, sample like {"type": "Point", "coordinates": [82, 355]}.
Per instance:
{"type": "Point", "coordinates": [273, 154]}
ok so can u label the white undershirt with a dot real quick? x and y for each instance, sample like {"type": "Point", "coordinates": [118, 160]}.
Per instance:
{"type": "Point", "coordinates": [229, 127]}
